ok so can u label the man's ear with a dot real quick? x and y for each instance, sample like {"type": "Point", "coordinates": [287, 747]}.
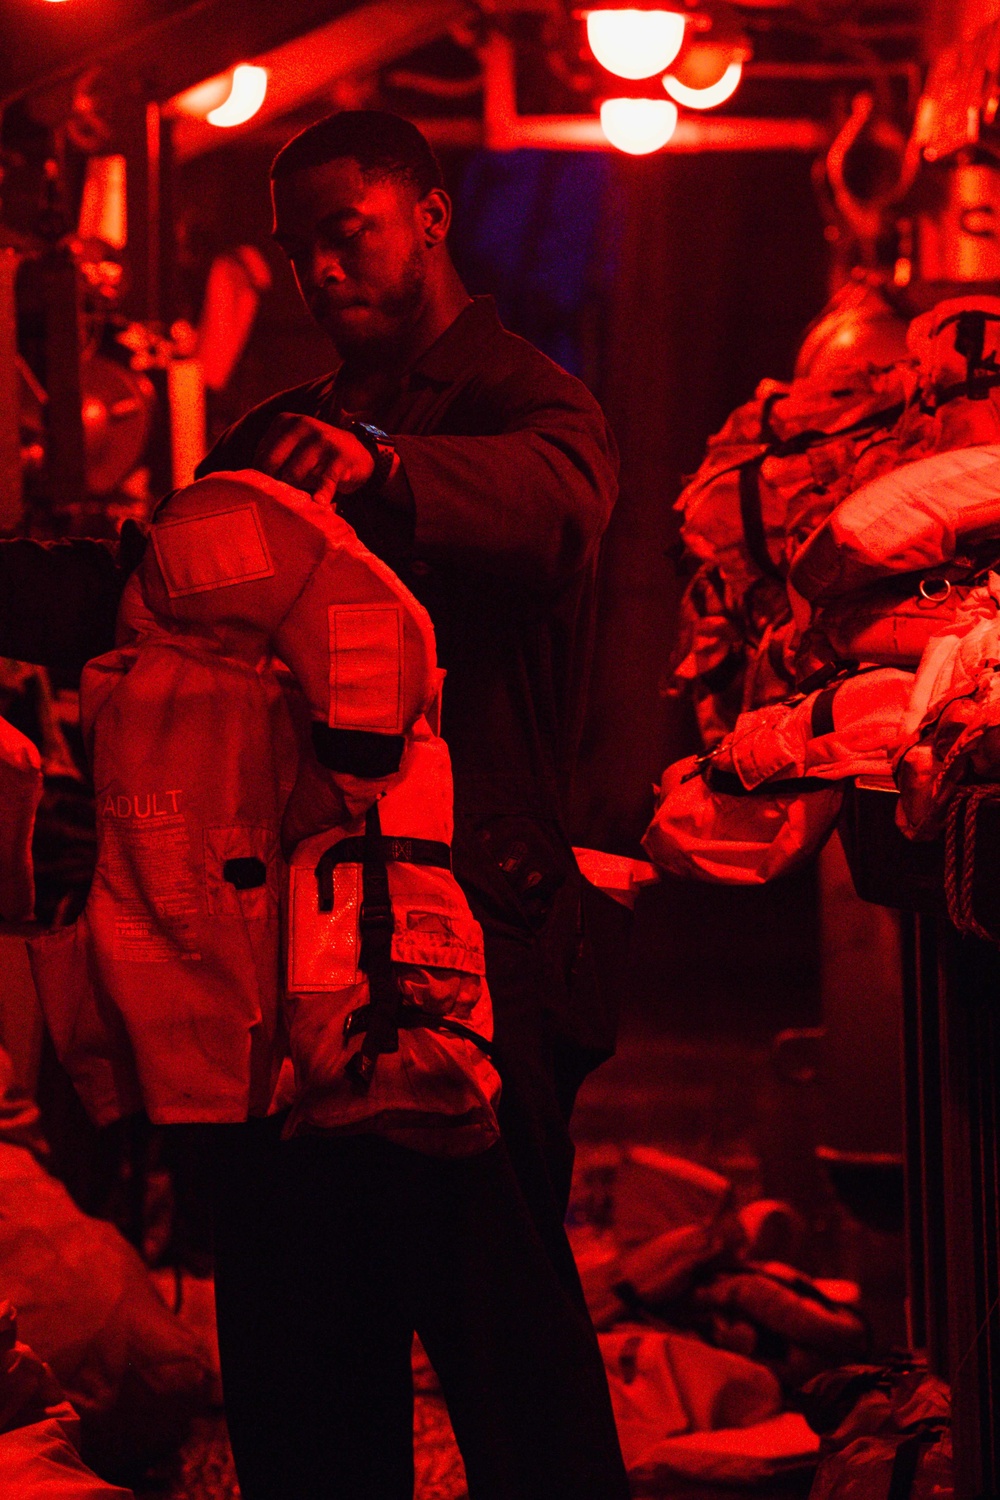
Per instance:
{"type": "Point", "coordinates": [435, 216]}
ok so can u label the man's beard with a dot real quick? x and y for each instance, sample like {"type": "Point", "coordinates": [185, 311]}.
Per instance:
{"type": "Point", "coordinates": [396, 313]}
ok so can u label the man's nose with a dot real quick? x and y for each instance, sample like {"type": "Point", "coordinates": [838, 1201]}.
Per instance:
{"type": "Point", "coordinates": [326, 267]}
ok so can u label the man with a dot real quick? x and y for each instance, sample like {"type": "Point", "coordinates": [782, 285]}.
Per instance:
{"type": "Point", "coordinates": [488, 499]}
{"type": "Point", "coordinates": [484, 475]}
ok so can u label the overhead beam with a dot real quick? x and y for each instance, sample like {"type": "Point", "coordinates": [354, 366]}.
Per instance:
{"type": "Point", "coordinates": [584, 133]}
{"type": "Point", "coordinates": [357, 43]}
{"type": "Point", "coordinates": [166, 52]}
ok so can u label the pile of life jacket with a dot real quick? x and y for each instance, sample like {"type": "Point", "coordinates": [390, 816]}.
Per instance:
{"type": "Point", "coordinates": [20, 794]}
{"type": "Point", "coordinates": [273, 920]}
{"type": "Point", "coordinates": [843, 529]}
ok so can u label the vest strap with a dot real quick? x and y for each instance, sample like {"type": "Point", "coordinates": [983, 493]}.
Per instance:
{"type": "Point", "coordinates": [393, 851]}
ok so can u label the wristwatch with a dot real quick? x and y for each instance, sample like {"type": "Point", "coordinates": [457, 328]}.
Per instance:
{"type": "Point", "coordinates": [382, 449]}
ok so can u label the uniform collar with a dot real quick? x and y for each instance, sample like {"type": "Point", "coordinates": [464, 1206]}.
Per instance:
{"type": "Point", "coordinates": [460, 344]}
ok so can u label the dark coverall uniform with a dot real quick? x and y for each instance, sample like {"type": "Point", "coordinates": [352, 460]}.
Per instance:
{"type": "Point", "coordinates": [512, 472]}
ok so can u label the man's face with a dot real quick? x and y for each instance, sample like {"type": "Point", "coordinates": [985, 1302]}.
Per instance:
{"type": "Point", "coordinates": [358, 251]}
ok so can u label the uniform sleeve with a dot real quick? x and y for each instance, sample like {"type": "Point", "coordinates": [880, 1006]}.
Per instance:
{"type": "Point", "coordinates": [58, 600]}
{"type": "Point", "coordinates": [529, 502]}
{"type": "Point", "coordinates": [237, 446]}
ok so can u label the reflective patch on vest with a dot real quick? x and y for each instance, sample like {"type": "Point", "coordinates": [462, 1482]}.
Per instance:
{"type": "Point", "coordinates": [366, 667]}
{"type": "Point", "coordinates": [212, 552]}
{"type": "Point", "coordinates": [323, 946]}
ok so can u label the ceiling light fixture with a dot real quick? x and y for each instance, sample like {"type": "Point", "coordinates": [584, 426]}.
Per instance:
{"type": "Point", "coordinates": [709, 97]}
{"type": "Point", "coordinates": [635, 43]}
{"type": "Point", "coordinates": [246, 95]}
{"type": "Point", "coordinates": [638, 126]}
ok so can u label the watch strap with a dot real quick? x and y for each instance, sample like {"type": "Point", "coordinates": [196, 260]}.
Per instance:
{"type": "Point", "coordinates": [382, 449]}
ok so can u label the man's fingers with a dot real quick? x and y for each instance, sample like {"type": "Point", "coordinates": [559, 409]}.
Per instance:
{"type": "Point", "coordinates": [308, 457]}
{"type": "Point", "coordinates": [315, 469]}
{"type": "Point", "coordinates": [325, 492]}
{"type": "Point", "coordinates": [313, 456]}
{"type": "Point", "coordinates": [280, 441]}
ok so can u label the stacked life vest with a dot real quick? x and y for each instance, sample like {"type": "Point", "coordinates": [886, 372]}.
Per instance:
{"type": "Point", "coordinates": [840, 523]}
{"type": "Point", "coordinates": [20, 794]}
{"type": "Point", "coordinates": [211, 764]}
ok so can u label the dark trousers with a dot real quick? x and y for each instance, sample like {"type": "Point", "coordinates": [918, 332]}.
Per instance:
{"type": "Point", "coordinates": [330, 1251]}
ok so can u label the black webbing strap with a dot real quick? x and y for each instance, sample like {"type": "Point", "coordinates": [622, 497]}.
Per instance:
{"type": "Point", "coordinates": [752, 518]}
{"type": "Point", "coordinates": [821, 718]}
{"type": "Point", "coordinates": [375, 959]}
{"type": "Point", "coordinates": [412, 1018]}
{"type": "Point", "coordinates": [728, 783]}
{"type": "Point", "coordinates": [751, 507]}
{"type": "Point", "coordinates": [394, 851]}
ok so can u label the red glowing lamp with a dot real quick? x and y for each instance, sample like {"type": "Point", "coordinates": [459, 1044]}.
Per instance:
{"type": "Point", "coordinates": [638, 126]}
{"type": "Point", "coordinates": [635, 43]}
{"type": "Point", "coordinates": [711, 94]}
{"type": "Point", "coordinates": [246, 95]}
{"type": "Point", "coordinates": [228, 99]}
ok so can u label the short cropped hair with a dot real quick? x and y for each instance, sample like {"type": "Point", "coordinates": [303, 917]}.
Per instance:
{"type": "Point", "coordinates": [382, 144]}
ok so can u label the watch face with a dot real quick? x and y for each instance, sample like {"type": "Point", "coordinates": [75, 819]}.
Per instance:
{"type": "Point", "coordinates": [382, 450]}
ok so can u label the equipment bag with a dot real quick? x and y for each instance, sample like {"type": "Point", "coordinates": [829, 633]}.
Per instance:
{"type": "Point", "coordinates": [768, 795]}
{"type": "Point", "coordinates": [707, 826]}
{"type": "Point", "coordinates": [780, 464]}
{"type": "Point", "coordinates": [849, 728]}
{"type": "Point", "coordinates": [918, 516]}
{"type": "Point", "coordinates": [887, 625]}
{"type": "Point", "coordinates": [20, 794]}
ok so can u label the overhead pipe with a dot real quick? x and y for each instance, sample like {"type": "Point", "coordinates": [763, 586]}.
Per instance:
{"type": "Point", "coordinates": [504, 129]}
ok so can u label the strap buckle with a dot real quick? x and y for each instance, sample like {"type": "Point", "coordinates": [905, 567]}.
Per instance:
{"type": "Point", "coordinates": [375, 914]}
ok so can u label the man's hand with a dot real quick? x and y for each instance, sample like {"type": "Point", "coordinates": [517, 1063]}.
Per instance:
{"type": "Point", "coordinates": [322, 460]}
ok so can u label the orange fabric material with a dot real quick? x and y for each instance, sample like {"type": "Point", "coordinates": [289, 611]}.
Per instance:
{"type": "Point", "coordinates": [20, 794]}
{"type": "Point", "coordinates": [736, 840]}
{"type": "Point", "coordinates": [437, 1093]}
{"type": "Point", "coordinates": [39, 1461]}
{"type": "Point", "coordinates": [914, 517]}
{"type": "Point", "coordinates": [868, 713]}
{"type": "Point", "coordinates": [167, 993]}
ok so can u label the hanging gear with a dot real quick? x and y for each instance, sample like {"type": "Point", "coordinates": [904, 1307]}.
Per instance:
{"type": "Point", "coordinates": [778, 514]}
{"type": "Point", "coordinates": [20, 794]}
{"type": "Point", "coordinates": [165, 995]}
{"type": "Point", "coordinates": [388, 1013]}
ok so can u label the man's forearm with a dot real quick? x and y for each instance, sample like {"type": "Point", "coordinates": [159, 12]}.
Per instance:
{"type": "Point", "coordinates": [520, 504]}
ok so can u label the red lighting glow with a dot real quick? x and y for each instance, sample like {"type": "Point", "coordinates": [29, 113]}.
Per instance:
{"type": "Point", "coordinates": [709, 97]}
{"type": "Point", "coordinates": [638, 126]}
{"type": "Point", "coordinates": [635, 43]}
{"type": "Point", "coordinates": [245, 98]}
